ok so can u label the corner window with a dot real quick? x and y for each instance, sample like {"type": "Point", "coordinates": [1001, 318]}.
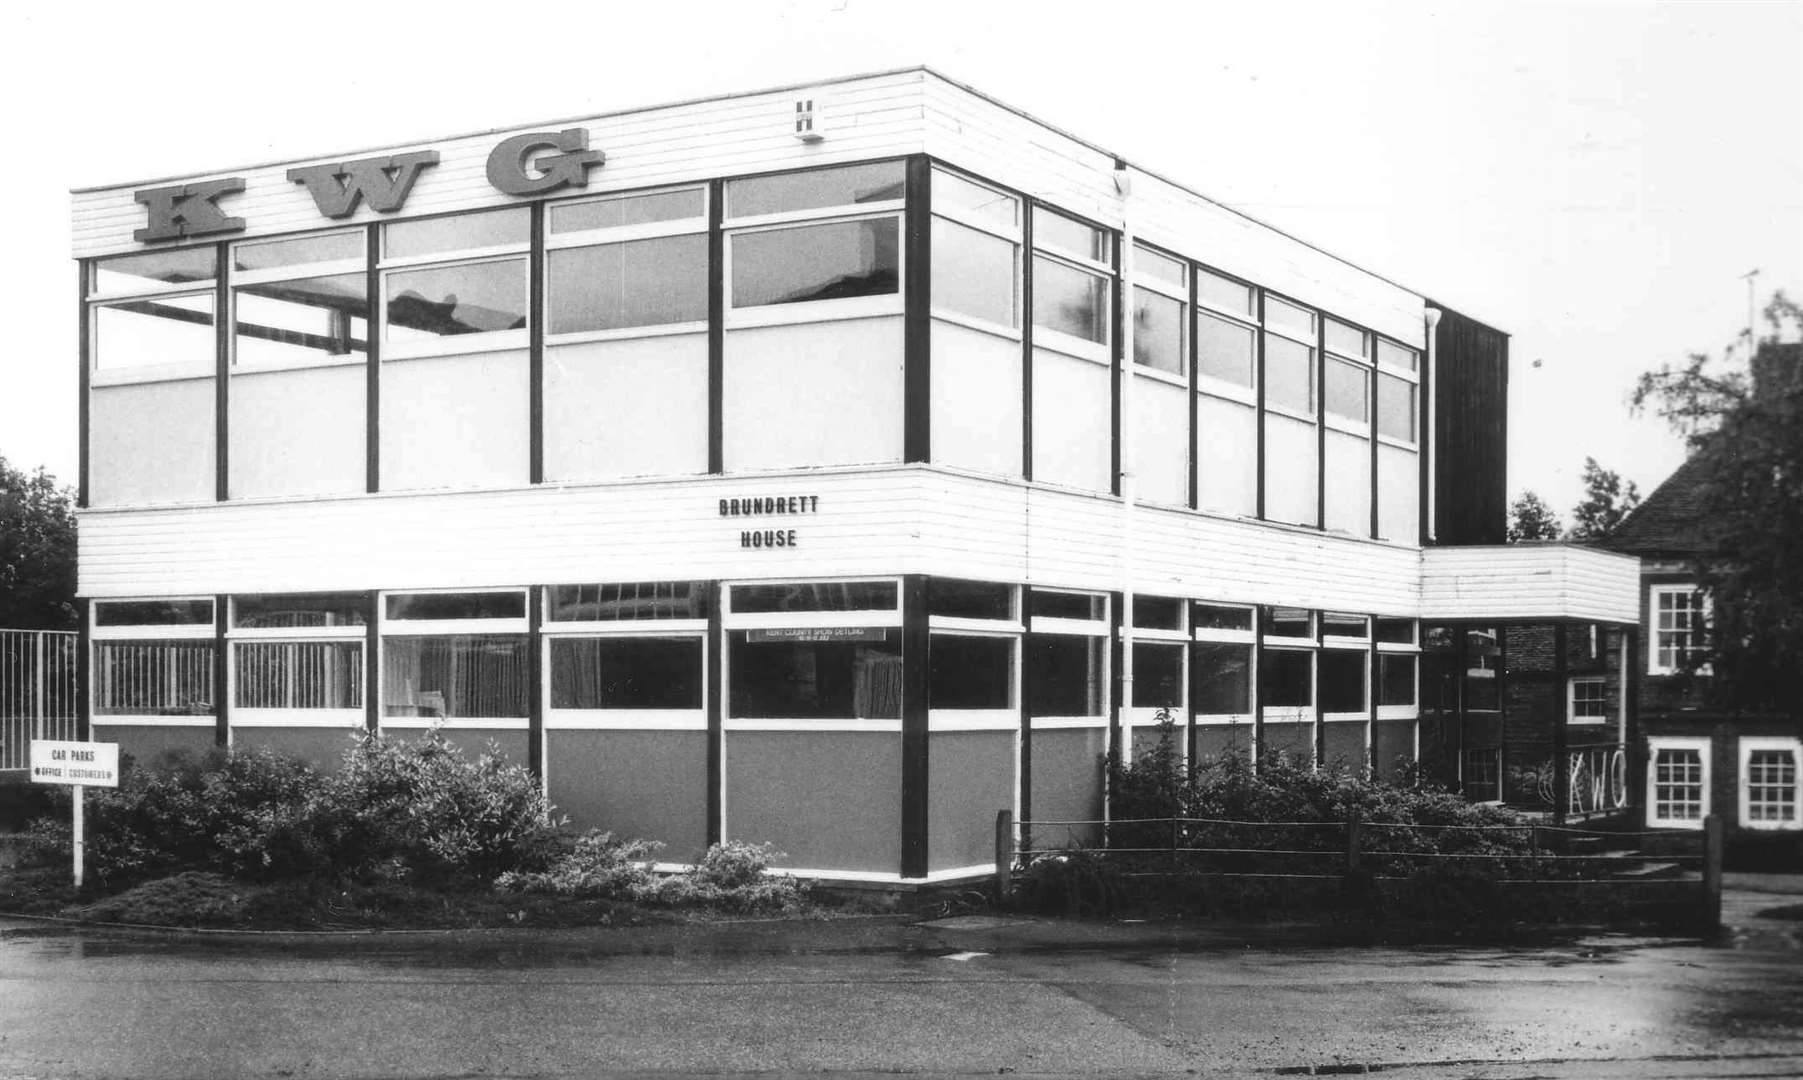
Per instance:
{"type": "Point", "coordinates": [154, 658]}
{"type": "Point", "coordinates": [151, 316]}
{"type": "Point", "coordinates": [976, 250]}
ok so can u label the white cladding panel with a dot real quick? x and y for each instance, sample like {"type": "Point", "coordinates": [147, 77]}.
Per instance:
{"type": "Point", "coordinates": [636, 407]}
{"type": "Point", "coordinates": [819, 393]}
{"type": "Point", "coordinates": [456, 421]}
{"type": "Point", "coordinates": [887, 520]}
{"type": "Point", "coordinates": [968, 130]}
{"type": "Point", "coordinates": [1348, 484]}
{"type": "Point", "coordinates": [298, 432]}
{"type": "Point", "coordinates": [1073, 421]}
{"type": "Point", "coordinates": [868, 117]}
{"type": "Point", "coordinates": [1160, 419]}
{"type": "Point", "coordinates": [151, 443]}
{"type": "Point", "coordinates": [1529, 581]}
{"type": "Point", "coordinates": [976, 395]}
{"type": "Point", "coordinates": [1226, 456]}
{"type": "Point", "coordinates": [1292, 470]}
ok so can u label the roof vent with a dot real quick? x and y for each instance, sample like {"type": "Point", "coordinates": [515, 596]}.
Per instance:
{"type": "Point", "coordinates": [810, 124]}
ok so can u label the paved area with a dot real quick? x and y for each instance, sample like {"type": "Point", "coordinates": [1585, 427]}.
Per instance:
{"type": "Point", "coordinates": [877, 996]}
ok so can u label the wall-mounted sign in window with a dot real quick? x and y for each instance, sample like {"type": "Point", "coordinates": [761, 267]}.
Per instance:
{"type": "Point", "coordinates": [760, 506]}
{"type": "Point", "coordinates": [816, 634]}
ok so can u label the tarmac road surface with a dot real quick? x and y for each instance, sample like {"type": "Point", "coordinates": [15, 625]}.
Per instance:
{"type": "Point", "coordinates": [880, 996]}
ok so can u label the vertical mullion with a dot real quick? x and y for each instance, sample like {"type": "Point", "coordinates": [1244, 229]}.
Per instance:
{"type": "Point", "coordinates": [222, 705]}
{"type": "Point", "coordinates": [223, 323]}
{"type": "Point", "coordinates": [1259, 396]}
{"type": "Point", "coordinates": [917, 408]}
{"type": "Point", "coordinates": [84, 670]}
{"type": "Point", "coordinates": [1028, 702]}
{"type": "Point", "coordinates": [1371, 430]}
{"type": "Point", "coordinates": [1320, 422]}
{"type": "Point", "coordinates": [1561, 717]}
{"type": "Point", "coordinates": [535, 330]}
{"type": "Point", "coordinates": [372, 660]}
{"type": "Point", "coordinates": [372, 419]}
{"type": "Point", "coordinates": [1121, 383]}
{"type": "Point", "coordinates": [535, 661]}
{"type": "Point", "coordinates": [915, 750]}
{"type": "Point", "coordinates": [1194, 354]}
{"type": "Point", "coordinates": [716, 331]}
{"type": "Point", "coordinates": [1258, 680]}
{"type": "Point", "coordinates": [716, 710]}
{"type": "Point", "coordinates": [85, 351]}
{"type": "Point", "coordinates": [1028, 209]}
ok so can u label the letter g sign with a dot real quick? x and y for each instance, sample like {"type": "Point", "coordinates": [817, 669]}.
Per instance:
{"type": "Point", "coordinates": [521, 166]}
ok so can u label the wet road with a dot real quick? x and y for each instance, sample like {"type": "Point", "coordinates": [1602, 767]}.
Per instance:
{"type": "Point", "coordinates": [885, 999]}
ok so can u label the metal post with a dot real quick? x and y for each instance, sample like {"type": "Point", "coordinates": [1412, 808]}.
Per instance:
{"type": "Point", "coordinates": [1004, 855]}
{"type": "Point", "coordinates": [1713, 833]}
{"type": "Point", "coordinates": [78, 844]}
{"type": "Point", "coordinates": [39, 673]}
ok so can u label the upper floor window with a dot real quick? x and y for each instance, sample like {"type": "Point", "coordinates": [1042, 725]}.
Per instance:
{"type": "Point", "coordinates": [820, 235]}
{"type": "Point", "coordinates": [627, 261]}
{"type": "Point", "coordinates": [301, 301]}
{"type": "Point", "coordinates": [152, 315]}
{"type": "Point", "coordinates": [1160, 304]}
{"type": "Point", "coordinates": [462, 276]}
{"type": "Point", "coordinates": [1073, 268]}
{"type": "Point", "coordinates": [1586, 700]}
{"type": "Point", "coordinates": [1680, 619]}
{"type": "Point", "coordinates": [976, 250]}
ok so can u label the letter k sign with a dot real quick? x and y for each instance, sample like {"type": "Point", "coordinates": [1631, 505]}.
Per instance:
{"type": "Point", "coordinates": [187, 210]}
{"type": "Point", "coordinates": [385, 181]}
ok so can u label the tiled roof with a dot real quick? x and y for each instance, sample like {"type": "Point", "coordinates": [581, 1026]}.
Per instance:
{"type": "Point", "coordinates": [1671, 520]}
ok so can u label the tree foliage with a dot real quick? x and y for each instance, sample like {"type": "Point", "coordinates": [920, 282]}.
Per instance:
{"type": "Point", "coordinates": [1607, 502]}
{"type": "Point", "coordinates": [1746, 437]}
{"type": "Point", "coordinates": [37, 551]}
{"type": "Point", "coordinates": [1531, 519]}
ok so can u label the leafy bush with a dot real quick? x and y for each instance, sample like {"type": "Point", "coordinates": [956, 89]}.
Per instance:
{"type": "Point", "coordinates": [1074, 882]}
{"type": "Point", "coordinates": [734, 876]}
{"type": "Point", "coordinates": [598, 866]}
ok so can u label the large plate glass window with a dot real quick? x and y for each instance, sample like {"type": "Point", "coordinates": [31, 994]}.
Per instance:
{"type": "Point", "coordinates": [976, 250]}
{"type": "Point", "coordinates": [625, 654]}
{"type": "Point", "coordinates": [975, 639]}
{"type": "Point", "coordinates": [1397, 667]}
{"type": "Point", "coordinates": [1067, 654]}
{"type": "Point", "coordinates": [455, 656]}
{"type": "Point", "coordinates": [151, 315]}
{"type": "Point", "coordinates": [154, 660]}
{"type": "Point", "coordinates": [456, 283]}
{"type": "Point", "coordinates": [298, 658]}
{"type": "Point", "coordinates": [1221, 663]}
{"type": "Point", "coordinates": [826, 236]}
{"type": "Point", "coordinates": [627, 262]}
{"type": "Point", "coordinates": [814, 651]}
{"type": "Point", "coordinates": [301, 301]}
{"type": "Point", "coordinates": [1073, 268]}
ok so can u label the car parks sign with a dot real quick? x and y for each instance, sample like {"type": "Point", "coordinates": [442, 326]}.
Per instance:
{"type": "Point", "coordinates": [88, 764]}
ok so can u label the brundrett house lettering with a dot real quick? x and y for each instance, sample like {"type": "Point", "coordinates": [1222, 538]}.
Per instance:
{"type": "Point", "coordinates": [761, 505]}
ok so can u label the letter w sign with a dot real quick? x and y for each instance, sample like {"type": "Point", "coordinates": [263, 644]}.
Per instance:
{"type": "Point", "coordinates": [385, 181]}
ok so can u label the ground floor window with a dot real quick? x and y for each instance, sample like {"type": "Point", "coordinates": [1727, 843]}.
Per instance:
{"type": "Point", "coordinates": [1769, 783]}
{"type": "Point", "coordinates": [969, 671]}
{"type": "Point", "coordinates": [298, 675]}
{"type": "Point", "coordinates": [626, 673]}
{"type": "Point", "coordinates": [153, 678]}
{"type": "Point", "coordinates": [822, 673]}
{"type": "Point", "coordinates": [1480, 774]}
{"type": "Point", "coordinates": [1678, 782]}
{"type": "Point", "coordinates": [1067, 674]}
{"type": "Point", "coordinates": [456, 676]}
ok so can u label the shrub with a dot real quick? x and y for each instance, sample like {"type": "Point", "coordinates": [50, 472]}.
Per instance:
{"type": "Point", "coordinates": [733, 876]}
{"type": "Point", "coordinates": [598, 866]}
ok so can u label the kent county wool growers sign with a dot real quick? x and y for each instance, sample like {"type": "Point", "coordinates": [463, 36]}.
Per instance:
{"type": "Point", "coordinates": [536, 163]}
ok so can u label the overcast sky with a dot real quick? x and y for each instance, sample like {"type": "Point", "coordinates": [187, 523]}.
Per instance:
{"type": "Point", "coordinates": [1592, 177]}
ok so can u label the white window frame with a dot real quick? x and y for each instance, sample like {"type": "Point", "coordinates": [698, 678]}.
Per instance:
{"type": "Point", "coordinates": [620, 719]}
{"type": "Point", "coordinates": [1090, 628]}
{"type": "Point", "coordinates": [150, 373]}
{"type": "Point", "coordinates": [1700, 745]}
{"type": "Point", "coordinates": [1166, 289]}
{"type": "Point", "coordinates": [620, 234]}
{"type": "Point", "coordinates": [1247, 637]}
{"type": "Point", "coordinates": [293, 635]}
{"type": "Point", "coordinates": [1382, 367]}
{"type": "Point", "coordinates": [1703, 609]}
{"type": "Point", "coordinates": [387, 628]}
{"type": "Point", "coordinates": [1244, 394]}
{"type": "Point", "coordinates": [165, 633]}
{"type": "Point", "coordinates": [958, 215]}
{"type": "Point", "coordinates": [294, 272]}
{"type": "Point", "coordinates": [1571, 700]}
{"type": "Point", "coordinates": [457, 344]}
{"type": "Point", "coordinates": [1751, 744]}
{"type": "Point", "coordinates": [732, 622]}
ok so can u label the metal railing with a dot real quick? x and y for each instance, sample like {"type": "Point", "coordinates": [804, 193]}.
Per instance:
{"type": "Point", "coordinates": [38, 698]}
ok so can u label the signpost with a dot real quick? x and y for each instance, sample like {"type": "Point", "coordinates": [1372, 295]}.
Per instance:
{"type": "Point", "coordinates": [80, 765]}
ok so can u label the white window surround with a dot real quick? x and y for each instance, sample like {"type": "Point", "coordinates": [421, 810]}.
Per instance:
{"type": "Point", "coordinates": [1698, 745]}
{"type": "Point", "coordinates": [1751, 744]}
{"type": "Point", "coordinates": [1599, 683]}
{"type": "Point", "coordinates": [1702, 610]}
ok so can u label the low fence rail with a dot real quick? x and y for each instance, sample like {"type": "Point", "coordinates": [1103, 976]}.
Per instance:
{"type": "Point", "coordinates": [37, 692]}
{"type": "Point", "coordinates": [1530, 854]}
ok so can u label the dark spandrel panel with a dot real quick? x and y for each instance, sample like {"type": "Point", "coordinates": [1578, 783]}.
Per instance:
{"type": "Point", "coordinates": [1070, 301]}
{"type": "Point", "coordinates": [815, 680]}
{"type": "Point", "coordinates": [969, 599]}
{"type": "Point", "coordinates": [637, 283]}
{"type": "Point", "coordinates": [470, 605]}
{"type": "Point", "coordinates": [444, 301]}
{"type": "Point", "coordinates": [1066, 675]}
{"type": "Point", "coordinates": [1158, 332]}
{"type": "Point", "coordinates": [626, 673]}
{"type": "Point", "coordinates": [456, 232]}
{"type": "Point", "coordinates": [452, 676]}
{"type": "Point", "coordinates": [153, 613]}
{"type": "Point", "coordinates": [1396, 631]}
{"type": "Point", "coordinates": [1395, 679]}
{"type": "Point", "coordinates": [851, 185]}
{"type": "Point", "coordinates": [1072, 237]}
{"type": "Point", "coordinates": [298, 675]}
{"type": "Point", "coordinates": [816, 596]}
{"type": "Point", "coordinates": [1157, 674]}
{"type": "Point", "coordinates": [299, 609]}
{"type": "Point", "coordinates": [1158, 612]}
{"type": "Point", "coordinates": [1341, 624]}
{"type": "Point", "coordinates": [173, 266]}
{"type": "Point", "coordinates": [1058, 605]}
{"type": "Point", "coordinates": [622, 210]}
{"type": "Point", "coordinates": [1221, 617]}
{"type": "Point", "coordinates": [1348, 391]}
{"type": "Point", "coordinates": [837, 260]}
{"type": "Point", "coordinates": [629, 602]}
{"type": "Point", "coordinates": [1286, 678]}
{"type": "Point", "coordinates": [1226, 350]}
{"type": "Point", "coordinates": [967, 672]}
{"type": "Point", "coordinates": [1222, 678]}
{"type": "Point", "coordinates": [307, 320]}
{"type": "Point", "coordinates": [300, 251]}
{"type": "Point", "coordinates": [1289, 622]}
{"type": "Point", "coordinates": [974, 273]}
{"type": "Point", "coordinates": [1343, 673]}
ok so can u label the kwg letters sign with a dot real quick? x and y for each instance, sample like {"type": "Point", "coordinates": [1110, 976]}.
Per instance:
{"type": "Point", "coordinates": [535, 163]}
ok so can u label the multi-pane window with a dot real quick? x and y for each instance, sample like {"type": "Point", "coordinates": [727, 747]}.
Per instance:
{"type": "Point", "coordinates": [1159, 652]}
{"type": "Point", "coordinates": [1221, 662]}
{"type": "Point", "coordinates": [820, 235]}
{"type": "Point", "coordinates": [1160, 293]}
{"type": "Point", "coordinates": [300, 302]}
{"type": "Point", "coordinates": [299, 654]}
{"type": "Point", "coordinates": [154, 658]}
{"type": "Point", "coordinates": [627, 261]}
{"type": "Point", "coordinates": [1678, 782]}
{"type": "Point", "coordinates": [1680, 618]}
{"type": "Point", "coordinates": [1067, 654]}
{"type": "Point", "coordinates": [1483, 660]}
{"type": "Point", "coordinates": [1769, 786]}
{"type": "Point", "coordinates": [1587, 700]}
{"type": "Point", "coordinates": [151, 315]}
{"type": "Point", "coordinates": [976, 250]}
{"type": "Point", "coordinates": [975, 638]}
{"type": "Point", "coordinates": [1073, 266]}
{"type": "Point", "coordinates": [621, 647]}
{"type": "Point", "coordinates": [462, 276]}
{"type": "Point", "coordinates": [1480, 774]}
{"type": "Point", "coordinates": [455, 656]}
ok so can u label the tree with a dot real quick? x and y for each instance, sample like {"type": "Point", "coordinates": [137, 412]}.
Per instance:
{"type": "Point", "coordinates": [1745, 429]}
{"type": "Point", "coordinates": [37, 551]}
{"type": "Point", "coordinates": [1531, 519]}
{"type": "Point", "coordinates": [1608, 501]}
